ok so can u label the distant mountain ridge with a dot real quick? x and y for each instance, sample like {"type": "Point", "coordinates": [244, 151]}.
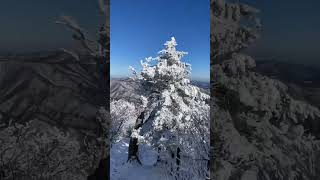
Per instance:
{"type": "Point", "coordinates": [305, 75]}
{"type": "Point", "coordinates": [202, 84]}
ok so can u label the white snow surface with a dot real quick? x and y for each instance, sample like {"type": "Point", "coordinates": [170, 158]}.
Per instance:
{"type": "Point", "coordinates": [120, 169]}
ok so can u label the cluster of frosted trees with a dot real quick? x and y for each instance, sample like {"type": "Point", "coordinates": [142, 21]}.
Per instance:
{"type": "Point", "coordinates": [172, 129]}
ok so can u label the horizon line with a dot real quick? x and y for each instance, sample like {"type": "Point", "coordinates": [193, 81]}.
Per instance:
{"type": "Point", "coordinates": [192, 79]}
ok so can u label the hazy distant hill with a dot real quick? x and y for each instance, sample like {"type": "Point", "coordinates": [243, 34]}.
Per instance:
{"type": "Point", "coordinates": [123, 88]}
{"type": "Point", "coordinates": [50, 87]}
{"type": "Point", "coordinates": [201, 84]}
{"type": "Point", "coordinates": [304, 75]}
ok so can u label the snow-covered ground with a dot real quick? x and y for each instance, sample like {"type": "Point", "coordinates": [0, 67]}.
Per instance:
{"type": "Point", "coordinates": [120, 169]}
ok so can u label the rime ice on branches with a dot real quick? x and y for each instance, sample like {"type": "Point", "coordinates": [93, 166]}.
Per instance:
{"type": "Point", "coordinates": [169, 68]}
{"type": "Point", "coordinates": [176, 120]}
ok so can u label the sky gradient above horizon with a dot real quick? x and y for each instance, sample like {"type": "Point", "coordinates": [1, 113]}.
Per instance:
{"type": "Point", "coordinates": [290, 28]}
{"type": "Point", "coordinates": [29, 26]}
{"type": "Point", "coordinates": [290, 31]}
{"type": "Point", "coordinates": [140, 28]}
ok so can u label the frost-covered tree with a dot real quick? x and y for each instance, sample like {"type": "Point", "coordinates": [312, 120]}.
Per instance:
{"type": "Point", "coordinates": [97, 49]}
{"type": "Point", "coordinates": [258, 129]}
{"type": "Point", "coordinates": [35, 150]}
{"type": "Point", "coordinates": [174, 131]}
{"type": "Point", "coordinates": [234, 26]}
{"type": "Point", "coordinates": [123, 115]}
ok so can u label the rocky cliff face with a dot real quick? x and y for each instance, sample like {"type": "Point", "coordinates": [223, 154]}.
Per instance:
{"type": "Point", "coordinates": [259, 131]}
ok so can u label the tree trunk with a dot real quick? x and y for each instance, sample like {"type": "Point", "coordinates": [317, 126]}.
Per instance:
{"type": "Point", "coordinates": [133, 150]}
{"type": "Point", "coordinates": [133, 144]}
{"type": "Point", "coordinates": [176, 155]}
{"type": "Point", "coordinates": [102, 172]}
{"type": "Point", "coordinates": [178, 158]}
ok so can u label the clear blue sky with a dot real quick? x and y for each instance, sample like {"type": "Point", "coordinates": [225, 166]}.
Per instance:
{"type": "Point", "coordinates": [140, 28]}
{"type": "Point", "coordinates": [28, 26]}
{"type": "Point", "coordinates": [291, 30]}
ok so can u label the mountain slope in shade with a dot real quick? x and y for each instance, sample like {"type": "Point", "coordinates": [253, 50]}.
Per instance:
{"type": "Point", "coordinates": [124, 89]}
{"type": "Point", "coordinates": [60, 94]}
